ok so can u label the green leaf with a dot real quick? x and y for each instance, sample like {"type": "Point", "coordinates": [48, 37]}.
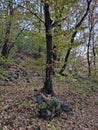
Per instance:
{"type": "Point", "coordinates": [53, 127]}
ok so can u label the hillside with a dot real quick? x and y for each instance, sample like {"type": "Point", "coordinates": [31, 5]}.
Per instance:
{"type": "Point", "coordinates": [20, 82]}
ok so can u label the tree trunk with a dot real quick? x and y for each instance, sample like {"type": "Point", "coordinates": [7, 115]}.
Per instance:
{"type": "Point", "coordinates": [67, 55]}
{"type": "Point", "coordinates": [73, 36]}
{"type": "Point", "coordinates": [90, 26]}
{"type": "Point", "coordinates": [88, 60]}
{"type": "Point", "coordinates": [94, 53]}
{"type": "Point", "coordinates": [5, 49]}
{"type": "Point", "coordinates": [48, 86]}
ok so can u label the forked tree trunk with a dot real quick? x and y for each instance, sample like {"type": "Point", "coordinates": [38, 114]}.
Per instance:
{"type": "Point", "coordinates": [48, 86]}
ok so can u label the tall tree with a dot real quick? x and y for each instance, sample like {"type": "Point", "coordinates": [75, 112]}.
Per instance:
{"type": "Point", "coordinates": [92, 21]}
{"type": "Point", "coordinates": [73, 36]}
{"type": "Point", "coordinates": [48, 87]}
{"type": "Point", "coordinates": [5, 51]}
{"type": "Point", "coordinates": [49, 25]}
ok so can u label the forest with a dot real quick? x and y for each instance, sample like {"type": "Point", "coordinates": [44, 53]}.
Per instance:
{"type": "Point", "coordinates": [48, 64]}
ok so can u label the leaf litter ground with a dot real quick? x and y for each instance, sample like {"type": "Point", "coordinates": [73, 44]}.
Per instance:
{"type": "Point", "coordinates": [18, 106]}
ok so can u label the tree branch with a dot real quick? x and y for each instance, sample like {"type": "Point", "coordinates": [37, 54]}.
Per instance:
{"type": "Point", "coordinates": [21, 31]}
{"type": "Point", "coordinates": [83, 17]}
{"type": "Point", "coordinates": [80, 22]}
{"type": "Point", "coordinates": [35, 14]}
{"type": "Point", "coordinates": [55, 23]}
{"type": "Point", "coordinates": [73, 36]}
{"type": "Point", "coordinates": [12, 45]}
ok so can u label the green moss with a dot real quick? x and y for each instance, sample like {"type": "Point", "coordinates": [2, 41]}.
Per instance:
{"type": "Point", "coordinates": [3, 72]}
{"type": "Point", "coordinates": [35, 84]}
{"type": "Point", "coordinates": [43, 105]}
{"type": "Point", "coordinates": [26, 104]}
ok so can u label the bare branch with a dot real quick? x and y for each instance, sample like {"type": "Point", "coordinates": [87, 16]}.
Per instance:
{"type": "Point", "coordinates": [21, 31]}
{"type": "Point", "coordinates": [35, 14]}
{"type": "Point", "coordinates": [12, 45]}
{"type": "Point", "coordinates": [85, 14]}
{"type": "Point", "coordinates": [80, 22]}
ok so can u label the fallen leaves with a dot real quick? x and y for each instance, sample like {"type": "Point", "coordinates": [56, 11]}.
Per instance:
{"type": "Point", "coordinates": [18, 106]}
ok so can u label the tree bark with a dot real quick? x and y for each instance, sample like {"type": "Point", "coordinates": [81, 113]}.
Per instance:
{"type": "Point", "coordinates": [94, 53]}
{"type": "Point", "coordinates": [67, 55]}
{"type": "Point", "coordinates": [90, 26]}
{"type": "Point", "coordinates": [48, 86]}
{"type": "Point", "coordinates": [5, 48]}
{"type": "Point", "coordinates": [88, 60]}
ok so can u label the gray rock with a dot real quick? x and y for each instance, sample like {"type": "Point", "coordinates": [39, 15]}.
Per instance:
{"type": "Point", "coordinates": [49, 109]}
{"type": "Point", "coordinates": [15, 76]}
{"type": "Point", "coordinates": [10, 78]}
{"type": "Point", "coordinates": [45, 114]}
{"type": "Point", "coordinates": [67, 108]}
{"type": "Point", "coordinates": [39, 99]}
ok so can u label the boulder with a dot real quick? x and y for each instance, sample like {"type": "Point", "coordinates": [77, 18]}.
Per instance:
{"type": "Point", "coordinates": [48, 109]}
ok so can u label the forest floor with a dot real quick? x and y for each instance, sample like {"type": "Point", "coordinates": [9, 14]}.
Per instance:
{"type": "Point", "coordinates": [19, 84]}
